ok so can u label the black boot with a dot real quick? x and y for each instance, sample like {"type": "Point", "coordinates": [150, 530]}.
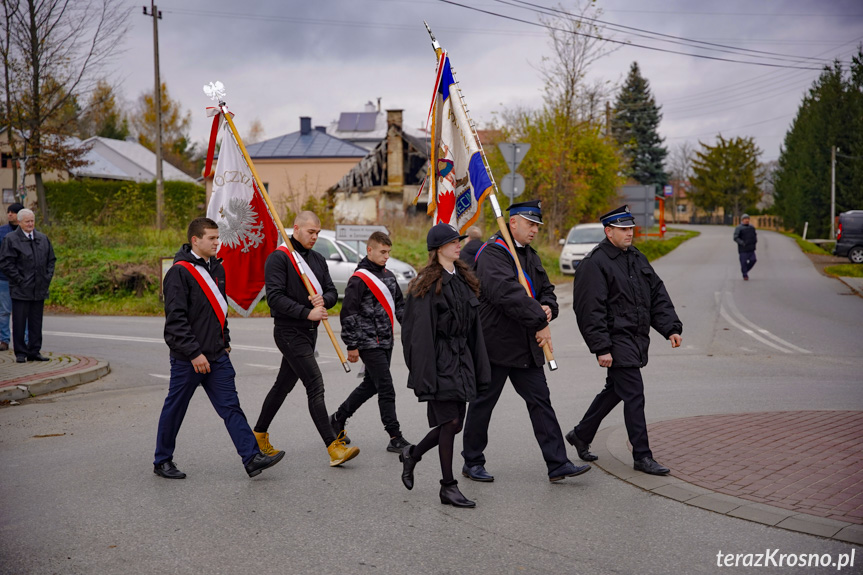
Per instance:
{"type": "Point", "coordinates": [450, 495]}
{"type": "Point", "coordinates": [408, 463]}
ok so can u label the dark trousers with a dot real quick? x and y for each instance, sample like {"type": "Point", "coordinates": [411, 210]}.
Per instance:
{"type": "Point", "coordinates": [27, 325]}
{"type": "Point", "coordinates": [298, 363]}
{"type": "Point", "coordinates": [622, 384]}
{"type": "Point", "coordinates": [531, 385]}
{"type": "Point", "coordinates": [377, 380]}
{"type": "Point", "coordinates": [220, 388]}
{"type": "Point", "coordinates": [747, 260]}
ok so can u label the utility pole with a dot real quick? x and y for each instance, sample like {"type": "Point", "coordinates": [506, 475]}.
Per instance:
{"type": "Point", "coordinates": [160, 186]}
{"type": "Point", "coordinates": [608, 119]}
{"type": "Point", "coordinates": [832, 192]}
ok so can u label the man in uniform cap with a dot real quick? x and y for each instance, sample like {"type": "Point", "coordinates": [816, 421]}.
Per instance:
{"type": "Point", "coordinates": [515, 326]}
{"type": "Point", "coordinates": [617, 298]}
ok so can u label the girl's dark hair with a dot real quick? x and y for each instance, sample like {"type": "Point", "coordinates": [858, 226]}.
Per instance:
{"type": "Point", "coordinates": [432, 273]}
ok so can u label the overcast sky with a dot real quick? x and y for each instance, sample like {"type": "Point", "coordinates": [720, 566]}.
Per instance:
{"type": "Point", "coordinates": [281, 59]}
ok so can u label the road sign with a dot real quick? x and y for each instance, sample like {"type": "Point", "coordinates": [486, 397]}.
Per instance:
{"type": "Point", "coordinates": [668, 190]}
{"type": "Point", "coordinates": [350, 233]}
{"type": "Point", "coordinates": [512, 185]}
{"type": "Point", "coordinates": [513, 153]}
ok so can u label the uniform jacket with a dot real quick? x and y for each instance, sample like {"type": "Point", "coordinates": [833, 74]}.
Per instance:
{"type": "Point", "coordinates": [617, 297]}
{"type": "Point", "coordinates": [510, 318]}
{"type": "Point", "coordinates": [191, 324]}
{"type": "Point", "coordinates": [287, 296]}
{"type": "Point", "coordinates": [29, 265]}
{"type": "Point", "coordinates": [443, 343]}
{"type": "Point", "coordinates": [746, 238]}
{"type": "Point", "coordinates": [365, 323]}
{"type": "Point", "coordinates": [4, 231]}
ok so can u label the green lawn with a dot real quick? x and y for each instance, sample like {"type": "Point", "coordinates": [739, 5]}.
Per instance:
{"type": "Point", "coordinates": [845, 270]}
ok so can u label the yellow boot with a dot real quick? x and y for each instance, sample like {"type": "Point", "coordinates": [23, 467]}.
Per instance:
{"type": "Point", "coordinates": [264, 444]}
{"type": "Point", "coordinates": [339, 452]}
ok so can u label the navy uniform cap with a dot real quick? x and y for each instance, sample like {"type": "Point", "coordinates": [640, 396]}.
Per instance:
{"type": "Point", "coordinates": [618, 218]}
{"type": "Point", "coordinates": [531, 211]}
{"type": "Point", "coordinates": [441, 234]}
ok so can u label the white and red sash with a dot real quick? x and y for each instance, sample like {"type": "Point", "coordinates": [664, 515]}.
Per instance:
{"type": "Point", "coordinates": [381, 292]}
{"type": "Point", "coordinates": [300, 266]}
{"type": "Point", "coordinates": [220, 306]}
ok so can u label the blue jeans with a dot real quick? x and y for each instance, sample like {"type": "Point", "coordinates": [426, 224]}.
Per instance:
{"type": "Point", "coordinates": [220, 388]}
{"type": "Point", "coordinates": [5, 311]}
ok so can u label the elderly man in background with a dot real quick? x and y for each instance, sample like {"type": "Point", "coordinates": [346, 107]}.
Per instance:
{"type": "Point", "coordinates": [5, 298]}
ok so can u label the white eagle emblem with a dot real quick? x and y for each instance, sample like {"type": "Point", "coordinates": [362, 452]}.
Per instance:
{"type": "Point", "coordinates": [238, 227]}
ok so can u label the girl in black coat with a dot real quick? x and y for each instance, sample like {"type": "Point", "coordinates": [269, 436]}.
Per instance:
{"type": "Point", "coordinates": [445, 353]}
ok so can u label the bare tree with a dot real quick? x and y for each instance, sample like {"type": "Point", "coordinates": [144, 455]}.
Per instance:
{"type": "Point", "coordinates": [57, 51]}
{"type": "Point", "coordinates": [680, 166]}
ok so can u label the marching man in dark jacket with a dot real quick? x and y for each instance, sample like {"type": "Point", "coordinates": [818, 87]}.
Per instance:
{"type": "Point", "coordinates": [296, 317]}
{"type": "Point", "coordinates": [196, 331]}
{"type": "Point", "coordinates": [745, 237]}
{"type": "Point", "coordinates": [515, 326]}
{"type": "Point", "coordinates": [617, 297]}
{"type": "Point", "coordinates": [27, 259]}
{"type": "Point", "coordinates": [372, 304]}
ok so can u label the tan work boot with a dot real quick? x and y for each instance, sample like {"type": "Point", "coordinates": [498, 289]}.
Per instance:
{"type": "Point", "coordinates": [339, 452]}
{"type": "Point", "coordinates": [264, 444]}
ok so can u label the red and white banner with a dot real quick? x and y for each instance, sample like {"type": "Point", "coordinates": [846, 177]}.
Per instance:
{"type": "Point", "coordinates": [381, 292]}
{"type": "Point", "coordinates": [246, 228]}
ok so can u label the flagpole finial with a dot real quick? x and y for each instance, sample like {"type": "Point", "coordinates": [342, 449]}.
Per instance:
{"type": "Point", "coordinates": [435, 44]}
{"type": "Point", "coordinates": [215, 91]}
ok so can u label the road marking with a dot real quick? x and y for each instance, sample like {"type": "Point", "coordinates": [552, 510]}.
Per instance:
{"type": "Point", "coordinates": [272, 367]}
{"type": "Point", "coordinates": [160, 376]}
{"type": "Point", "coordinates": [756, 332]}
{"type": "Point", "coordinates": [746, 320]}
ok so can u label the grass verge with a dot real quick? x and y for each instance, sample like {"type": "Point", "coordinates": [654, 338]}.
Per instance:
{"type": "Point", "coordinates": [845, 270]}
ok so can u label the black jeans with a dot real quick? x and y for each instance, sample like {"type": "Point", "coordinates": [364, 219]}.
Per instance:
{"type": "Point", "coordinates": [27, 319]}
{"type": "Point", "coordinates": [622, 384]}
{"type": "Point", "coordinates": [747, 261]}
{"type": "Point", "coordinates": [298, 362]}
{"type": "Point", "coordinates": [377, 380]}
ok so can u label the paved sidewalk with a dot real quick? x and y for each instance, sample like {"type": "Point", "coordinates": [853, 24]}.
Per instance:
{"type": "Point", "coordinates": [799, 470]}
{"type": "Point", "coordinates": [23, 380]}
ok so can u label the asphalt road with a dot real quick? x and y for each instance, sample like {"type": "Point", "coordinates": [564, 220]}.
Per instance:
{"type": "Point", "coordinates": [77, 492]}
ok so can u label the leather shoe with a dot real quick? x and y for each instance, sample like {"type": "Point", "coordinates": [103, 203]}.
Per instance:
{"type": "Point", "coordinates": [582, 448]}
{"type": "Point", "coordinates": [21, 358]}
{"type": "Point", "coordinates": [450, 495]}
{"type": "Point", "coordinates": [477, 473]}
{"type": "Point", "coordinates": [261, 462]}
{"type": "Point", "coordinates": [568, 469]}
{"type": "Point", "coordinates": [648, 465]}
{"type": "Point", "coordinates": [37, 357]}
{"type": "Point", "coordinates": [3, 346]}
{"type": "Point", "coordinates": [168, 470]}
{"type": "Point", "coordinates": [409, 461]}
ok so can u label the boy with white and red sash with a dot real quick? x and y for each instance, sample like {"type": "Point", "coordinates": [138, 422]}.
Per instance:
{"type": "Point", "coordinates": [196, 332]}
{"type": "Point", "coordinates": [372, 304]}
{"type": "Point", "coordinates": [296, 317]}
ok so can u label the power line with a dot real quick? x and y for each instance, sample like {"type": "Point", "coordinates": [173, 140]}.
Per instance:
{"type": "Point", "coordinates": [726, 130]}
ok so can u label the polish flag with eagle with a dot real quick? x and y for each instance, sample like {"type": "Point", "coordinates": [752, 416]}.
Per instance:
{"type": "Point", "coordinates": [458, 180]}
{"type": "Point", "coordinates": [246, 228]}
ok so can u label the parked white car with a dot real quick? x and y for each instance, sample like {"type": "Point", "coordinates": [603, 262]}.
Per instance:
{"type": "Point", "coordinates": [579, 241]}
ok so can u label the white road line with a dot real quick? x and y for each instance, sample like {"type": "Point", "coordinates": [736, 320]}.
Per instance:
{"type": "Point", "coordinates": [746, 320]}
{"type": "Point", "coordinates": [273, 367]}
{"type": "Point", "coordinates": [160, 376]}
{"type": "Point", "coordinates": [745, 330]}
{"type": "Point", "coordinates": [147, 340]}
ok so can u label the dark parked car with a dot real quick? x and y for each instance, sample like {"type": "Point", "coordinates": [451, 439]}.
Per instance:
{"type": "Point", "coordinates": [849, 239]}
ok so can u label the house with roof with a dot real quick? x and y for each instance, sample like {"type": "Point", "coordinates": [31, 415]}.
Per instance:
{"type": "Point", "coordinates": [367, 128]}
{"type": "Point", "coordinates": [300, 165]}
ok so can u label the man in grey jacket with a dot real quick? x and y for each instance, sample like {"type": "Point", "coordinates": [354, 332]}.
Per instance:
{"type": "Point", "coordinates": [27, 258]}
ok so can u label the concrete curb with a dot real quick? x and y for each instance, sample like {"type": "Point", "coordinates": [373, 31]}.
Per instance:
{"type": "Point", "coordinates": [615, 458]}
{"type": "Point", "coordinates": [49, 384]}
{"type": "Point", "coordinates": [856, 284]}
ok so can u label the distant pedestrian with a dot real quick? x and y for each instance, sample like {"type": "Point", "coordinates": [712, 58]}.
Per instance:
{"type": "Point", "coordinates": [746, 238]}
{"type": "Point", "coordinates": [372, 304]}
{"type": "Point", "coordinates": [617, 297]}
{"type": "Point", "coordinates": [474, 242]}
{"type": "Point", "coordinates": [27, 258]}
{"type": "Point", "coordinates": [196, 331]}
{"type": "Point", "coordinates": [5, 298]}
{"type": "Point", "coordinates": [445, 352]}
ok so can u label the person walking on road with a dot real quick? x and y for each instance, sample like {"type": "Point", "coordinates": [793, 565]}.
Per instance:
{"type": "Point", "coordinates": [27, 259]}
{"type": "Point", "coordinates": [196, 331]}
{"type": "Point", "coordinates": [372, 304]}
{"type": "Point", "coordinates": [617, 297]}
{"type": "Point", "coordinates": [515, 325]}
{"type": "Point", "coordinates": [5, 298]}
{"type": "Point", "coordinates": [296, 317]}
{"type": "Point", "coordinates": [445, 351]}
{"type": "Point", "coordinates": [745, 237]}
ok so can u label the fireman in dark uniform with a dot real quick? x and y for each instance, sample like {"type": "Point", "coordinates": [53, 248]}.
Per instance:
{"type": "Point", "coordinates": [617, 298]}
{"type": "Point", "coordinates": [515, 325]}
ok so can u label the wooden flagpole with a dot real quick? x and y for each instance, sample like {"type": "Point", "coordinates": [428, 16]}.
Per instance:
{"type": "Point", "coordinates": [498, 214]}
{"type": "Point", "coordinates": [278, 222]}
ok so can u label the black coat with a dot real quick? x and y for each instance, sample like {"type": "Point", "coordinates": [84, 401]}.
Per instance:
{"type": "Point", "coordinates": [617, 297]}
{"type": "Point", "coordinates": [365, 323]}
{"type": "Point", "coordinates": [510, 318]}
{"type": "Point", "coordinates": [443, 343]}
{"type": "Point", "coordinates": [468, 252]}
{"type": "Point", "coordinates": [746, 237]}
{"type": "Point", "coordinates": [191, 324]}
{"type": "Point", "coordinates": [287, 295]}
{"type": "Point", "coordinates": [29, 265]}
